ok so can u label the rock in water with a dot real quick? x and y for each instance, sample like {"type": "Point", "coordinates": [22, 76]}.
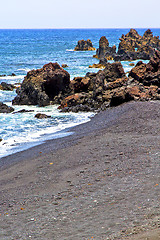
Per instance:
{"type": "Point", "coordinates": [42, 85]}
{"type": "Point", "coordinates": [6, 86]}
{"type": "Point", "coordinates": [148, 74]}
{"type": "Point", "coordinates": [64, 65]}
{"type": "Point", "coordinates": [41, 116]}
{"type": "Point", "coordinates": [5, 109]}
{"type": "Point", "coordinates": [84, 46]}
{"type": "Point", "coordinates": [104, 51]}
{"type": "Point", "coordinates": [132, 46]}
{"type": "Point", "coordinates": [110, 87]}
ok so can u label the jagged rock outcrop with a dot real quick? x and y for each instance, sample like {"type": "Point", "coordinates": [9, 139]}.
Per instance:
{"type": "Point", "coordinates": [110, 87]}
{"type": "Point", "coordinates": [132, 46]}
{"type": "Point", "coordinates": [42, 85]}
{"type": "Point", "coordinates": [106, 88]}
{"type": "Point", "coordinates": [5, 109]}
{"type": "Point", "coordinates": [104, 51]}
{"type": "Point", "coordinates": [148, 74]}
{"type": "Point", "coordinates": [94, 91]}
{"type": "Point", "coordinates": [83, 45]}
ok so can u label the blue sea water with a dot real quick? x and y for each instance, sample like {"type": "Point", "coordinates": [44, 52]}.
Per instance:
{"type": "Point", "coordinates": [24, 50]}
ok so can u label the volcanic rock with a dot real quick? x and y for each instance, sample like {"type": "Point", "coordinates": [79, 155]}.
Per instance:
{"type": "Point", "coordinates": [132, 46]}
{"type": "Point", "coordinates": [84, 45]}
{"type": "Point", "coordinates": [42, 85]}
{"type": "Point", "coordinates": [104, 51]}
{"type": "Point", "coordinates": [64, 65]}
{"type": "Point", "coordinates": [6, 86]}
{"type": "Point", "coordinates": [111, 87]}
{"type": "Point", "coordinates": [148, 74]}
{"type": "Point", "coordinates": [41, 116]}
{"type": "Point", "coordinates": [5, 109]}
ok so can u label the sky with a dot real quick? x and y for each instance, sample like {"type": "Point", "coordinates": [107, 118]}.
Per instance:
{"type": "Point", "coordinates": [80, 14]}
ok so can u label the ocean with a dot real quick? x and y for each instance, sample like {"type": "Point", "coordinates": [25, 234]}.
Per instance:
{"type": "Point", "coordinates": [24, 50]}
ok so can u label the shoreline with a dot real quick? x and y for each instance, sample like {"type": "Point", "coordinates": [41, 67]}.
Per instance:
{"type": "Point", "coordinates": [101, 182]}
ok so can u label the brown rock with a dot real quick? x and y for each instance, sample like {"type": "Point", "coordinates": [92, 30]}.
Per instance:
{"type": "Point", "coordinates": [41, 116]}
{"type": "Point", "coordinates": [119, 82]}
{"type": "Point", "coordinates": [98, 65]}
{"type": "Point", "coordinates": [118, 97]}
{"type": "Point", "coordinates": [64, 65]}
{"type": "Point", "coordinates": [131, 64]}
{"type": "Point", "coordinates": [71, 100]}
{"type": "Point", "coordinates": [148, 73]}
{"type": "Point", "coordinates": [84, 45]}
{"type": "Point", "coordinates": [80, 84]}
{"type": "Point", "coordinates": [5, 109]}
{"type": "Point", "coordinates": [42, 85]}
{"type": "Point", "coordinates": [104, 51]}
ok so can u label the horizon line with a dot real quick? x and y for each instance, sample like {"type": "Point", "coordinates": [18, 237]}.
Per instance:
{"type": "Point", "coordinates": [76, 28]}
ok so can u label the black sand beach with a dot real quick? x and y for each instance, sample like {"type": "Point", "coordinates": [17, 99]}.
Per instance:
{"type": "Point", "coordinates": [102, 182]}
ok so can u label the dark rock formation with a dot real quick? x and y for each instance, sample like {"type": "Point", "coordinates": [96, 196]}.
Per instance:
{"type": "Point", "coordinates": [93, 91]}
{"type": "Point", "coordinates": [42, 85]}
{"type": "Point", "coordinates": [13, 75]}
{"type": "Point", "coordinates": [84, 46]}
{"type": "Point", "coordinates": [148, 74]}
{"type": "Point", "coordinates": [132, 46]}
{"type": "Point", "coordinates": [6, 86]}
{"type": "Point", "coordinates": [5, 109]}
{"type": "Point", "coordinates": [110, 87]}
{"type": "Point", "coordinates": [104, 51]}
{"type": "Point", "coordinates": [64, 65]}
{"type": "Point", "coordinates": [41, 116]}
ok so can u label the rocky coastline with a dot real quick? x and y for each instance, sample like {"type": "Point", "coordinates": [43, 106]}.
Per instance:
{"type": "Point", "coordinates": [132, 46]}
{"type": "Point", "coordinates": [109, 87]}
{"type": "Point", "coordinates": [102, 180]}
{"type": "Point", "coordinates": [95, 91]}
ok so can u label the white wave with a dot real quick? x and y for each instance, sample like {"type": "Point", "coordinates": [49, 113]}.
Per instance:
{"type": "Point", "coordinates": [18, 77]}
{"type": "Point", "coordinates": [34, 136]}
{"type": "Point", "coordinates": [24, 69]}
{"type": "Point", "coordinates": [70, 50]}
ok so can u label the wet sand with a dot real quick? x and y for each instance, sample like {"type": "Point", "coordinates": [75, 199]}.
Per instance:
{"type": "Point", "coordinates": [102, 182]}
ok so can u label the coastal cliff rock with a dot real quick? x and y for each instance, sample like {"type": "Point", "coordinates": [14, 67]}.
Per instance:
{"type": "Point", "coordinates": [83, 45]}
{"type": "Point", "coordinates": [93, 91]}
{"type": "Point", "coordinates": [42, 85]}
{"type": "Point", "coordinates": [148, 74]}
{"type": "Point", "coordinates": [104, 51]}
{"type": "Point", "coordinates": [5, 109]}
{"type": "Point", "coordinates": [132, 46]}
{"type": "Point", "coordinates": [106, 88]}
{"type": "Point", "coordinates": [110, 87]}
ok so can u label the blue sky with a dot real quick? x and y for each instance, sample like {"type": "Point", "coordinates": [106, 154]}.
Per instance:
{"type": "Point", "coordinates": [80, 14]}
